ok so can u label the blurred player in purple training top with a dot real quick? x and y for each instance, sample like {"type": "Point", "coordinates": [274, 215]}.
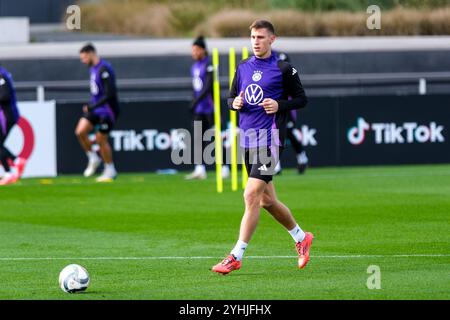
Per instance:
{"type": "Point", "coordinates": [302, 159]}
{"type": "Point", "coordinates": [99, 115]}
{"type": "Point", "coordinates": [9, 115]}
{"type": "Point", "coordinates": [202, 106]}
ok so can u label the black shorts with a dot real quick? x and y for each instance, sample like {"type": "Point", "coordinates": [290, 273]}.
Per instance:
{"type": "Point", "coordinates": [207, 120]}
{"type": "Point", "coordinates": [101, 124]}
{"type": "Point", "coordinates": [260, 162]}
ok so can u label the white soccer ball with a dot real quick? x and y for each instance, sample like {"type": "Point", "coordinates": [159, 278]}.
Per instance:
{"type": "Point", "coordinates": [73, 278]}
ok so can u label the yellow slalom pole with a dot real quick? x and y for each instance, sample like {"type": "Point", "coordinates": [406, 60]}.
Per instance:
{"type": "Point", "coordinates": [218, 131]}
{"type": "Point", "coordinates": [233, 125]}
{"type": "Point", "coordinates": [244, 170]}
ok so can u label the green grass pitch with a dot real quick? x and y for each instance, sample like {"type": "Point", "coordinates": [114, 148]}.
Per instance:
{"type": "Point", "coordinates": [148, 236]}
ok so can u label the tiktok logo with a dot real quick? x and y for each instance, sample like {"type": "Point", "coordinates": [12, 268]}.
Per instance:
{"type": "Point", "coordinates": [356, 135]}
{"type": "Point", "coordinates": [393, 133]}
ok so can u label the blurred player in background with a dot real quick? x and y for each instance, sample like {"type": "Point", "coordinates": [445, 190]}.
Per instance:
{"type": "Point", "coordinates": [202, 106]}
{"type": "Point", "coordinates": [99, 115]}
{"type": "Point", "coordinates": [302, 159]}
{"type": "Point", "coordinates": [260, 92]}
{"type": "Point", "coordinates": [9, 115]}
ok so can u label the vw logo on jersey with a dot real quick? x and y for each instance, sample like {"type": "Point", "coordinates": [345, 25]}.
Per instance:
{"type": "Point", "coordinates": [94, 87]}
{"type": "Point", "coordinates": [254, 94]}
{"type": "Point", "coordinates": [197, 83]}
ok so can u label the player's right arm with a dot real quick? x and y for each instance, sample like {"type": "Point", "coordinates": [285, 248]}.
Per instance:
{"type": "Point", "coordinates": [236, 99]}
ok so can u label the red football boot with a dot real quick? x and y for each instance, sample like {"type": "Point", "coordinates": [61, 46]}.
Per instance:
{"type": "Point", "coordinates": [9, 178]}
{"type": "Point", "coordinates": [227, 265]}
{"type": "Point", "coordinates": [19, 164]}
{"type": "Point", "coordinates": [303, 249]}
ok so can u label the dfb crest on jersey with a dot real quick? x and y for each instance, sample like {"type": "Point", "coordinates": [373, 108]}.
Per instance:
{"type": "Point", "coordinates": [257, 75]}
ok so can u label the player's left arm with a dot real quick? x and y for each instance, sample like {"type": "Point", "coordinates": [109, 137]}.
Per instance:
{"type": "Point", "coordinates": [207, 86]}
{"type": "Point", "coordinates": [293, 88]}
{"type": "Point", "coordinates": [108, 87]}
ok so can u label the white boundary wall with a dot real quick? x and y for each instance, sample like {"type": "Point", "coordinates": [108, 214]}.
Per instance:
{"type": "Point", "coordinates": [14, 30]}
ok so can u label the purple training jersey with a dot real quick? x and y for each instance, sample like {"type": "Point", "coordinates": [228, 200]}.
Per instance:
{"type": "Point", "coordinates": [260, 79]}
{"type": "Point", "coordinates": [102, 71]}
{"type": "Point", "coordinates": [199, 72]}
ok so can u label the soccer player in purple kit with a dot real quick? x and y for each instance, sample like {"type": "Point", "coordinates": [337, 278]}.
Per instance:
{"type": "Point", "coordinates": [9, 115]}
{"type": "Point", "coordinates": [202, 105]}
{"type": "Point", "coordinates": [261, 87]}
{"type": "Point", "coordinates": [99, 115]}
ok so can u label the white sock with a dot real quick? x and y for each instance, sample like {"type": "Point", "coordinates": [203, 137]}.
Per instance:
{"type": "Point", "coordinates": [238, 250]}
{"type": "Point", "coordinates": [297, 234]}
{"type": "Point", "coordinates": [92, 155]}
{"type": "Point", "coordinates": [110, 167]}
{"type": "Point", "coordinates": [200, 168]}
{"type": "Point", "coordinates": [302, 158]}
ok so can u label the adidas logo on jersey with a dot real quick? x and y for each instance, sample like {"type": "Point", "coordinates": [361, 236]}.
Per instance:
{"type": "Point", "coordinates": [262, 168]}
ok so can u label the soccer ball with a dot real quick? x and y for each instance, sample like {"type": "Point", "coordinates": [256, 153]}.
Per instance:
{"type": "Point", "coordinates": [73, 278]}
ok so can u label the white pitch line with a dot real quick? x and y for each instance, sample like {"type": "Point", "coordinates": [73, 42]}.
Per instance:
{"type": "Point", "coordinates": [211, 257]}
